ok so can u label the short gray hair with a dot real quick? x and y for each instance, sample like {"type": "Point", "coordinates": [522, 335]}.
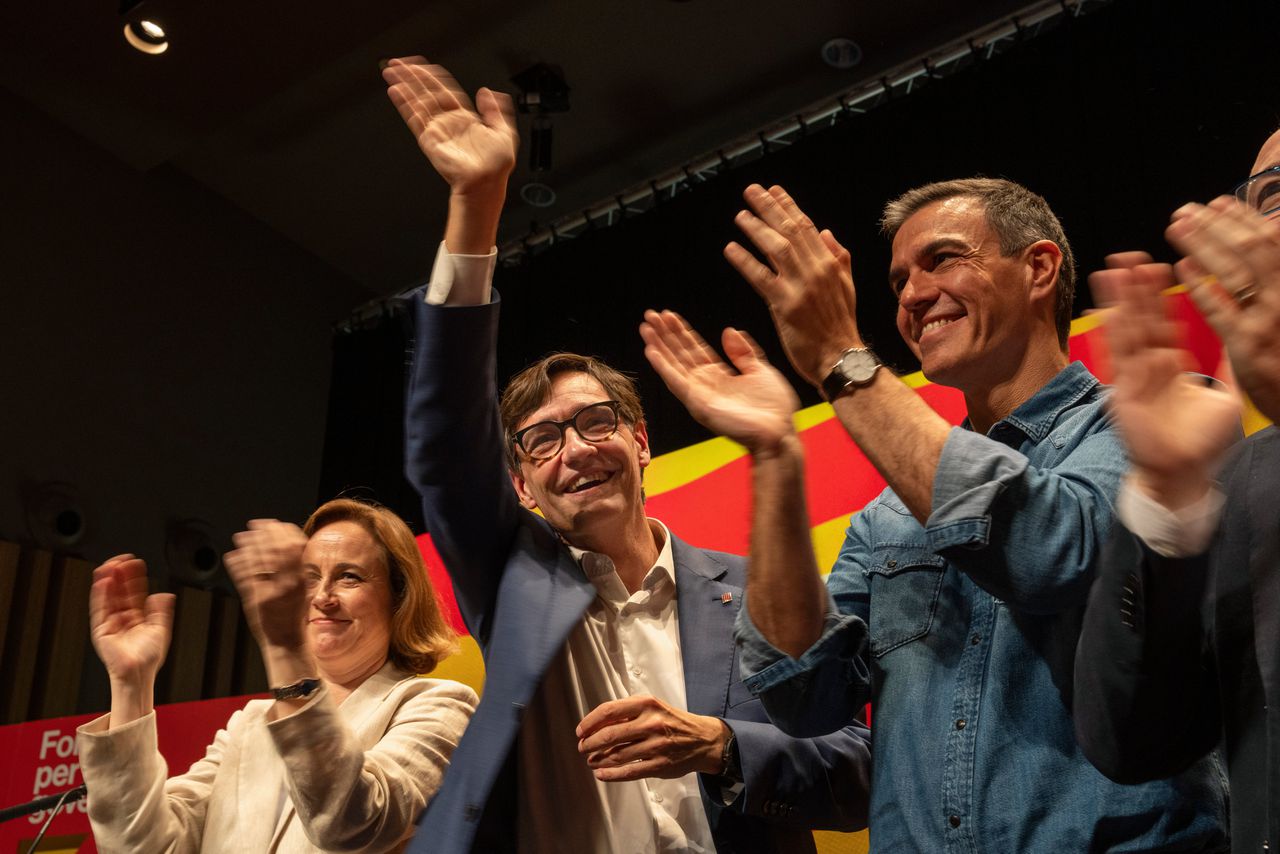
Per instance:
{"type": "Point", "coordinates": [1019, 218]}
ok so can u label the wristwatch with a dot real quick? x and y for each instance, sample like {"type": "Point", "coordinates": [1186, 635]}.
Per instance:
{"type": "Point", "coordinates": [730, 761]}
{"type": "Point", "coordinates": [856, 366]}
{"type": "Point", "coordinates": [299, 689]}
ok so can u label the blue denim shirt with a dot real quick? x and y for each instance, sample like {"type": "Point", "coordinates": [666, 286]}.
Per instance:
{"type": "Point", "coordinates": [962, 634]}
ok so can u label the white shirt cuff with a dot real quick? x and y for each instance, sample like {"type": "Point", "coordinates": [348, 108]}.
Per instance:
{"type": "Point", "coordinates": [1170, 533]}
{"type": "Point", "coordinates": [461, 279]}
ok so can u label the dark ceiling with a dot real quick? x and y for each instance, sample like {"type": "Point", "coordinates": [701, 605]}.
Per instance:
{"type": "Point", "coordinates": [280, 109]}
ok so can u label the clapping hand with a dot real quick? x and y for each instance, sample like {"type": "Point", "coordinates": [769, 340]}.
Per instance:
{"type": "Point", "coordinates": [1232, 269]}
{"type": "Point", "coordinates": [266, 567]}
{"type": "Point", "coordinates": [130, 630]}
{"type": "Point", "coordinates": [807, 282]}
{"type": "Point", "coordinates": [1175, 426]}
{"type": "Point", "coordinates": [750, 402]}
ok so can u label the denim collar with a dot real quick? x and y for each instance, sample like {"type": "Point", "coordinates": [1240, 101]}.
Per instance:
{"type": "Point", "coordinates": [1036, 417]}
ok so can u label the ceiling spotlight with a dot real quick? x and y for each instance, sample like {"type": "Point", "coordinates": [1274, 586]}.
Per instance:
{"type": "Point", "coordinates": [841, 53]}
{"type": "Point", "coordinates": [146, 36]}
{"type": "Point", "coordinates": [538, 195]}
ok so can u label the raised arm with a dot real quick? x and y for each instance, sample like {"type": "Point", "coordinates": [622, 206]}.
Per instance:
{"type": "Point", "coordinates": [454, 444]}
{"type": "Point", "coordinates": [472, 146]}
{"type": "Point", "coordinates": [752, 404]}
{"type": "Point", "coordinates": [1175, 427]}
{"type": "Point", "coordinates": [266, 568]}
{"type": "Point", "coordinates": [130, 632]}
{"type": "Point", "coordinates": [808, 285]}
{"type": "Point", "coordinates": [1145, 681]}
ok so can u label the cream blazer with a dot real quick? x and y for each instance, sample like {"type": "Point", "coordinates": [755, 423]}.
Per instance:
{"type": "Point", "coordinates": [353, 777]}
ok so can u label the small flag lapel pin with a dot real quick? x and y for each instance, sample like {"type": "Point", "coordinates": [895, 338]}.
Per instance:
{"type": "Point", "coordinates": [726, 597]}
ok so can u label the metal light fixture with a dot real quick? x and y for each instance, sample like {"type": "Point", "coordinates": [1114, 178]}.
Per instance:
{"type": "Point", "coordinates": [543, 91]}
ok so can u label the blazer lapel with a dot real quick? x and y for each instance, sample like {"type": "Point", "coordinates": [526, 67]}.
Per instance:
{"type": "Point", "coordinates": [261, 784]}
{"type": "Point", "coordinates": [1264, 558]}
{"type": "Point", "coordinates": [708, 607]}
{"type": "Point", "coordinates": [543, 595]}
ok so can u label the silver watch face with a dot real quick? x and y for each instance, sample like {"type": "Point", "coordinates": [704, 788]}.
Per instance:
{"type": "Point", "coordinates": [858, 366]}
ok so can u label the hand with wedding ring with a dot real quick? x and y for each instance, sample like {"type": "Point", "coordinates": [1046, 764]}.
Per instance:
{"type": "Point", "coordinates": [1232, 270]}
{"type": "Point", "coordinates": [266, 567]}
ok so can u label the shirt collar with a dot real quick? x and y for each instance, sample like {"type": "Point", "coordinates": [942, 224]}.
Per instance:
{"type": "Point", "coordinates": [1037, 415]}
{"type": "Point", "coordinates": [598, 567]}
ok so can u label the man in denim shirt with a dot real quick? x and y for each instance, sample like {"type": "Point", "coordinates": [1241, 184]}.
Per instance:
{"type": "Point", "coordinates": [956, 601]}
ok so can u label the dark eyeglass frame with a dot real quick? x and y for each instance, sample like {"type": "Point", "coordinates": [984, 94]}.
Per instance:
{"type": "Point", "coordinates": [517, 438]}
{"type": "Point", "coordinates": [1241, 191]}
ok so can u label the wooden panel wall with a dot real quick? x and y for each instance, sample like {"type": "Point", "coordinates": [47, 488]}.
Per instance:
{"type": "Point", "coordinates": [45, 651]}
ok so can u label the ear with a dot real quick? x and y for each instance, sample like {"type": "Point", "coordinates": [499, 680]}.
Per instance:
{"type": "Point", "coordinates": [1044, 260]}
{"type": "Point", "coordinates": [521, 486]}
{"type": "Point", "coordinates": [642, 439]}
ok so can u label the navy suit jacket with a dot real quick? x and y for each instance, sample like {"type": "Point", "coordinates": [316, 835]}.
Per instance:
{"type": "Point", "coordinates": [1180, 655]}
{"type": "Point", "coordinates": [521, 592]}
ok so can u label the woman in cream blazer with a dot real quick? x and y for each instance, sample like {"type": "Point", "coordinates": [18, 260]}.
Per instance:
{"type": "Point", "coordinates": [352, 747]}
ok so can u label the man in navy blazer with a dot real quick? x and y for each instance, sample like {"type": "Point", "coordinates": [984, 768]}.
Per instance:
{"type": "Point", "coordinates": [612, 717]}
{"type": "Point", "coordinates": [1180, 649]}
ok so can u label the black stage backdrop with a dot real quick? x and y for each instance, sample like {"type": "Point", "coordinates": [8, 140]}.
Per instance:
{"type": "Point", "coordinates": [1116, 118]}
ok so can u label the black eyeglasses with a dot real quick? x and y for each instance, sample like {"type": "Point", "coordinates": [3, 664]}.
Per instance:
{"type": "Point", "coordinates": [1262, 191]}
{"type": "Point", "coordinates": [594, 422]}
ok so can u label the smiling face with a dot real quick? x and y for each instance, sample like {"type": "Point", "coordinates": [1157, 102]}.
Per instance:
{"type": "Point", "coordinates": [349, 621]}
{"type": "Point", "coordinates": [968, 312]}
{"type": "Point", "coordinates": [1268, 191]}
{"type": "Point", "coordinates": [587, 488]}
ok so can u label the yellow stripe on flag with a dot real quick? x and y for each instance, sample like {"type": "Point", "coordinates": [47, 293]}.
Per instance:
{"type": "Point", "coordinates": [675, 469]}
{"type": "Point", "coordinates": [827, 540]}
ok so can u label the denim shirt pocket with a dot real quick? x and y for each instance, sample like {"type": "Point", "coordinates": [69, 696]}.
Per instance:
{"type": "Point", "coordinates": [904, 580]}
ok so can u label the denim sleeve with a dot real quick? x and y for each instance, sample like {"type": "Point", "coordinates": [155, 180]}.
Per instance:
{"type": "Point", "coordinates": [1028, 535]}
{"type": "Point", "coordinates": [829, 684]}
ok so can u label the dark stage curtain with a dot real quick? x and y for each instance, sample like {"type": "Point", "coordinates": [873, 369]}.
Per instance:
{"type": "Point", "coordinates": [1116, 118]}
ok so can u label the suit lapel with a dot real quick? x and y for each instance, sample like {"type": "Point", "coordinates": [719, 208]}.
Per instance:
{"type": "Point", "coordinates": [261, 782]}
{"type": "Point", "coordinates": [1264, 557]}
{"type": "Point", "coordinates": [706, 628]}
{"type": "Point", "coordinates": [543, 595]}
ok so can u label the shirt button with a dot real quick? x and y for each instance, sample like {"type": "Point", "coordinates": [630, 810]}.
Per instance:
{"type": "Point", "coordinates": [954, 821]}
{"type": "Point", "coordinates": [891, 564]}
{"type": "Point", "coordinates": [636, 671]}
{"type": "Point", "coordinates": [961, 724]}
{"type": "Point", "coordinates": [975, 639]}
{"type": "Point", "coordinates": [657, 797]}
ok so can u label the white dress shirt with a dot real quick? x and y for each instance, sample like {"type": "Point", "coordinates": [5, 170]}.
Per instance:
{"type": "Point", "coordinates": [1170, 533]}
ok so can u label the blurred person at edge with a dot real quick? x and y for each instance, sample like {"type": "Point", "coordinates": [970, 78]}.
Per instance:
{"type": "Point", "coordinates": [353, 746]}
{"type": "Point", "coordinates": [1182, 635]}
